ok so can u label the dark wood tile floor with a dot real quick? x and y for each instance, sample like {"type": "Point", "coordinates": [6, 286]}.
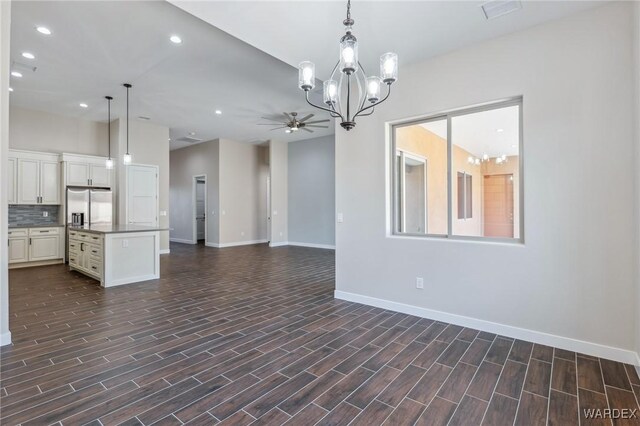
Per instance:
{"type": "Point", "coordinates": [253, 335]}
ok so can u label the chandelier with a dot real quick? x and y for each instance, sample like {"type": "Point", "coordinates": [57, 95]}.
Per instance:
{"type": "Point", "coordinates": [349, 71]}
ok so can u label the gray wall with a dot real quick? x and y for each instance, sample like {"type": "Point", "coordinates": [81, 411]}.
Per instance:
{"type": "Point", "coordinates": [571, 284]}
{"type": "Point", "coordinates": [312, 191]}
{"type": "Point", "coordinates": [185, 163]}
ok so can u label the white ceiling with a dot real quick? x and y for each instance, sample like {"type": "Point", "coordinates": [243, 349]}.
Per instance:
{"type": "Point", "coordinates": [97, 46]}
{"type": "Point", "coordinates": [293, 31]}
{"type": "Point", "coordinates": [494, 132]}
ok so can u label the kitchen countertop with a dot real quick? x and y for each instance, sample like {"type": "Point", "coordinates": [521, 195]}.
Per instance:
{"type": "Point", "coordinates": [116, 229]}
{"type": "Point", "coordinates": [52, 225]}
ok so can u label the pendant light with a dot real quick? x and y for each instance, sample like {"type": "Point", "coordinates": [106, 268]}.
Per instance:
{"type": "Point", "coordinates": [127, 157]}
{"type": "Point", "coordinates": [363, 93]}
{"type": "Point", "coordinates": [109, 162]}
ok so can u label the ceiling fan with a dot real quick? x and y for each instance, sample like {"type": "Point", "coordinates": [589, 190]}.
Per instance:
{"type": "Point", "coordinates": [291, 123]}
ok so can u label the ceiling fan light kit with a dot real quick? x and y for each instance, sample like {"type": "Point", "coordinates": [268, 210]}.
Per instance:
{"type": "Point", "coordinates": [349, 71]}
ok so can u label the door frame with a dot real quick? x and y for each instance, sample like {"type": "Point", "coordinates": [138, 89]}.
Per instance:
{"type": "Point", "coordinates": [126, 190]}
{"type": "Point", "coordinates": [194, 224]}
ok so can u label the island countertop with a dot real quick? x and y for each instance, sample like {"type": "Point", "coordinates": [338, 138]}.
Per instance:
{"type": "Point", "coordinates": [115, 229]}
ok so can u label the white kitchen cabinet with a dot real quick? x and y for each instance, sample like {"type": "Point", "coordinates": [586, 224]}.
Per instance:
{"type": "Point", "coordinates": [49, 182]}
{"type": "Point", "coordinates": [11, 181]}
{"type": "Point", "coordinates": [18, 245]}
{"type": "Point", "coordinates": [77, 174]}
{"type": "Point", "coordinates": [36, 178]}
{"type": "Point", "coordinates": [99, 175]}
{"type": "Point", "coordinates": [88, 172]}
{"type": "Point", "coordinates": [28, 181]}
{"type": "Point", "coordinates": [35, 245]}
{"type": "Point", "coordinates": [44, 248]}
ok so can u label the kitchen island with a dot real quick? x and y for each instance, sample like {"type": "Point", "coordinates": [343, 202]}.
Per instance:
{"type": "Point", "coordinates": [115, 254]}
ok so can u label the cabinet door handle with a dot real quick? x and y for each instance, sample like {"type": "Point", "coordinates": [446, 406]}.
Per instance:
{"type": "Point", "coordinates": [29, 241]}
{"type": "Point", "coordinates": [81, 246]}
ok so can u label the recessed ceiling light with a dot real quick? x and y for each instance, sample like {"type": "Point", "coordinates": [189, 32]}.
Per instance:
{"type": "Point", "coordinates": [499, 130]}
{"type": "Point", "coordinates": [16, 74]}
{"type": "Point", "coordinates": [288, 131]}
{"type": "Point", "coordinates": [43, 30]}
{"type": "Point", "coordinates": [11, 89]}
{"type": "Point", "coordinates": [28, 55]}
{"type": "Point", "coordinates": [83, 105]}
{"type": "Point", "coordinates": [218, 112]}
{"type": "Point", "coordinates": [175, 39]}
{"type": "Point", "coordinates": [192, 133]}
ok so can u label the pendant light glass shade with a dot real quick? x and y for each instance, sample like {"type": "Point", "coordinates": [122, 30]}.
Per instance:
{"type": "Point", "coordinates": [348, 54]}
{"type": "Point", "coordinates": [127, 159]}
{"type": "Point", "coordinates": [373, 88]}
{"type": "Point", "coordinates": [330, 92]}
{"type": "Point", "coordinates": [389, 67]}
{"type": "Point", "coordinates": [306, 75]}
{"type": "Point", "coordinates": [109, 163]}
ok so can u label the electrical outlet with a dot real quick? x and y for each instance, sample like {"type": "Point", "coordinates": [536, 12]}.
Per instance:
{"type": "Point", "coordinates": [45, 214]}
{"type": "Point", "coordinates": [281, 234]}
{"type": "Point", "coordinates": [419, 282]}
{"type": "Point", "coordinates": [125, 243]}
{"type": "Point", "coordinates": [242, 234]}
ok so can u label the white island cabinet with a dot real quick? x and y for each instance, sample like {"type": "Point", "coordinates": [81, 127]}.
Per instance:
{"type": "Point", "coordinates": [115, 254]}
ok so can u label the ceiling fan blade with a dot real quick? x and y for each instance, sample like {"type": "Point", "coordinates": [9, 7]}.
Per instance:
{"type": "Point", "coordinates": [286, 114]}
{"type": "Point", "coordinates": [278, 128]}
{"type": "Point", "coordinates": [268, 124]}
{"type": "Point", "coordinates": [270, 119]}
{"type": "Point", "coordinates": [317, 127]}
{"type": "Point", "coordinates": [306, 130]}
{"type": "Point", "coordinates": [317, 121]}
{"type": "Point", "coordinates": [306, 117]}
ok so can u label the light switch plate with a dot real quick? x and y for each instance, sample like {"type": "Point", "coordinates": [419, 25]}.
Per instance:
{"type": "Point", "coordinates": [125, 243]}
{"type": "Point", "coordinates": [163, 212]}
{"type": "Point", "coordinates": [340, 218]}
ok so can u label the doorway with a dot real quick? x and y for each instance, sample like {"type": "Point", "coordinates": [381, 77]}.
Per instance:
{"type": "Point", "coordinates": [200, 209]}
{"type": "Point", "coordinates": [498, 206]}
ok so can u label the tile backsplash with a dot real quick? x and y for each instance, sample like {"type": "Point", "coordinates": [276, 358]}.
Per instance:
{"type": "Point", "coordinates": [27, 215]}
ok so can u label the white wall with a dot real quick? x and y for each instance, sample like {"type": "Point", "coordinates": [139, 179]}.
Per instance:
{"type": "Point", "coordinates": [311, 191]}
{"type": "Point", "coordinates": [5, 34]}
{"type": "Point", "coordinates": [148, 145]}
{"type": "Point", "coordinates": [278, 165]}
{"type": "Point", "coordinates": [240, 193]}
{"type": "Point", "coordinates": [43, 131]}
{"type": "Point", "coordinates": [571, 283]}
{"type": "Point", "coordinates": [185, 163]}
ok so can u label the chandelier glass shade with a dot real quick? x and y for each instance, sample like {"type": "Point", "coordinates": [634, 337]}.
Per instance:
{"type": "Point", "coordinates": [349, 92]}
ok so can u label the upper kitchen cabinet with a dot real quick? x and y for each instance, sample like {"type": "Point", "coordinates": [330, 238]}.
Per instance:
{"type": "Point", "coordinates": [36, 178]}
{"type": "Point", "coordinates": [85, 170]}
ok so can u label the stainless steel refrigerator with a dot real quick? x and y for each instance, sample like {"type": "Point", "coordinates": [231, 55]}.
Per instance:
{"type": "Point", "coordinates": [94, 203]}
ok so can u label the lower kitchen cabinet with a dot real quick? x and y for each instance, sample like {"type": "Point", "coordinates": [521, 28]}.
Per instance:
{"type": "Point", "coordinates": [34, 245]}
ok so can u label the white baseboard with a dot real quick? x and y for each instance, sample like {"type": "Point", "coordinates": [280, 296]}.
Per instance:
{"type": "Point", "coordinates": [280, 244]}
{"type": "Point", "coordinates": [165, 251]}
{"type": "Point", "coordinates": [313, 245]}
{"type": "Point", "coordinates": [567, 343]}
{"type": "Point", "coordinates": [5, 338]}
{"type": "Point", "coordinates": [180, 240]}
{"type": "Point", "coordinates": [235, 244]}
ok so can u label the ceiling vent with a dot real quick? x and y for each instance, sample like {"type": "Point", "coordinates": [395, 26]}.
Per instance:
{"type": "Point", "coordinates": [496, 8]}
{"type": "Point", "coordinates": [189, 139]}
